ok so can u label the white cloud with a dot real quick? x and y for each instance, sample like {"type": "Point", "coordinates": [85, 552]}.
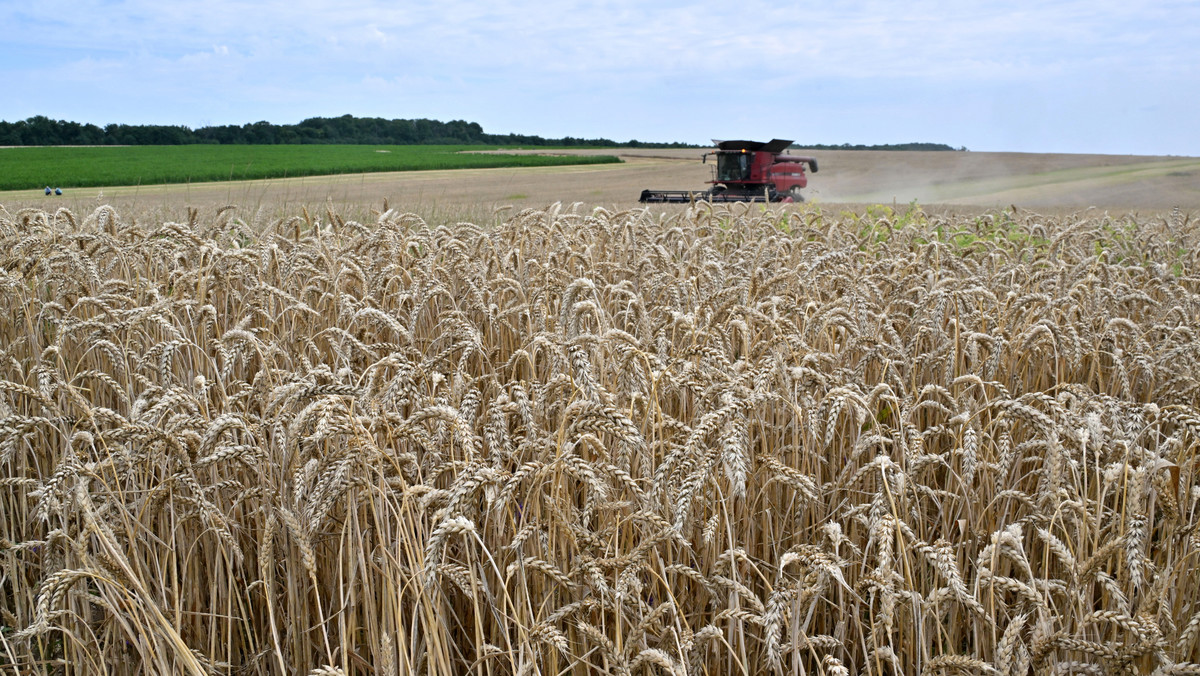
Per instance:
{"type": "Point", "coordinates": [671, 71]}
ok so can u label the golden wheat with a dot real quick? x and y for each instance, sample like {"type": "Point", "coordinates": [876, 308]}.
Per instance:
{"type": "Point", "coordinates": [729, 440]}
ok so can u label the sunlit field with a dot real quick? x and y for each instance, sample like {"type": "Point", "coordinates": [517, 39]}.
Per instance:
{"type": "Point", "coordinates": [727, 440]}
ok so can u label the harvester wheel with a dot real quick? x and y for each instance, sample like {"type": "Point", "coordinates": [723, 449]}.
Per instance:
{"type": "Point", "coordinates": [795, 194]}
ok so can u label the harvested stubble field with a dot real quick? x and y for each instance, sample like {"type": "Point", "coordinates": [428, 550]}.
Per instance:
{"type": "Point", "coordinates": [732, 440]}
{"type": "Point", "coordinates": [1059, 184]}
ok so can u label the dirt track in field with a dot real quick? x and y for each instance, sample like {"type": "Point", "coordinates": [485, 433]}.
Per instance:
{"type": "Point", "coordinates": [956, 179]}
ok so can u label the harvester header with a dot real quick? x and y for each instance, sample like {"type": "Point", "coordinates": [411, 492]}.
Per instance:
{"type": "Point", "coordinates": [747, 171]}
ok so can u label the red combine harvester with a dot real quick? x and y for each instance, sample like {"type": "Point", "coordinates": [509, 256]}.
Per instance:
{"type": "Point", "coordinates": [747, 171]}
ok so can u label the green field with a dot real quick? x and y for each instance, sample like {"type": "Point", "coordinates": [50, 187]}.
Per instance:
{"type": "Point", "coordinates": [77, 167]}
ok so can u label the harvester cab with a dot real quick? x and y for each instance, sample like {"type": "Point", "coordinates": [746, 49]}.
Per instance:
{"type": "Point", "coordinates": [747, 171]}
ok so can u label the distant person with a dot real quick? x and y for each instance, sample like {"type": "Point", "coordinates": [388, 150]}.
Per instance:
{"type": "Point", "coordinates": [47, 190]}
{"type": "Point", "coordinates": [58, 191]}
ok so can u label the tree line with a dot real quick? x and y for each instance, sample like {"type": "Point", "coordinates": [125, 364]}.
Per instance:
{"type": "Point", "coordinates": [883, 146]}
{"type": "Point", "coordinates": [347, 129]}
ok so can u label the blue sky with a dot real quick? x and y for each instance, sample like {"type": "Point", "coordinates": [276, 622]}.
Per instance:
{"type": "Point", "coordinates": [1092, 76]}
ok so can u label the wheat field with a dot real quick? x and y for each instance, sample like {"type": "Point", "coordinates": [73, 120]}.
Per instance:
{"type": "Point", "coordinates": [729, 440]}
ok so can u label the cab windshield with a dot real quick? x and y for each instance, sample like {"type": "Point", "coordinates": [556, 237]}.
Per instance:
{"type": "Point", "coordinates": [733, 167]}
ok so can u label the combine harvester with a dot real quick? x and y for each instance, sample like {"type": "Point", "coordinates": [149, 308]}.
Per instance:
{"type": "Point", "coordinates": [747, 171]}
